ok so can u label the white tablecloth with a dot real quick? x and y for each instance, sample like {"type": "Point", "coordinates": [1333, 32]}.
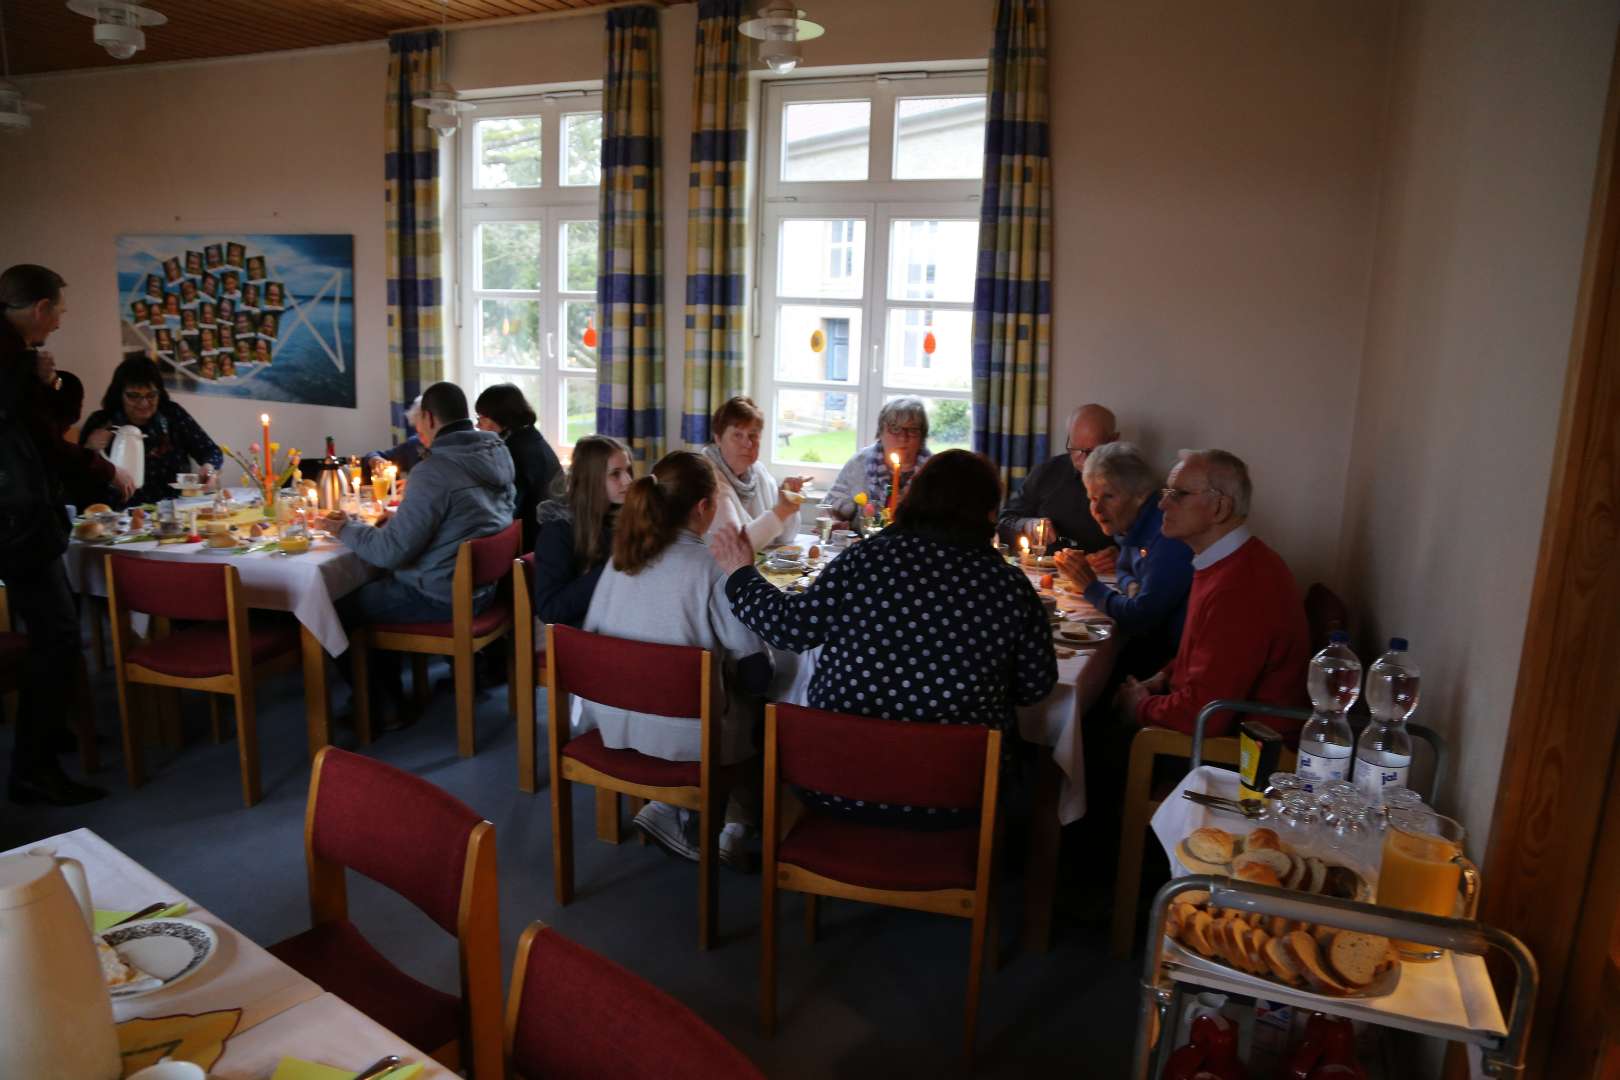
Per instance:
{"type": "Point", "coordinates": [327, 1030]}
{"type": "Point", "coordinates": [305, 585]}
{"type": "Point", "coordinates": [239, 975]}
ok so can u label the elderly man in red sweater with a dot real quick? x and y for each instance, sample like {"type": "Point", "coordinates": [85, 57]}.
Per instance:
{"type": "Point", "coordinates": [1246, 636]}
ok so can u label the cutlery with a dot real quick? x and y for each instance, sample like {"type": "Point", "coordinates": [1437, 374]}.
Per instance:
{"type": "Point", "coordinates": [1243, 808]}
{"type": "Point", "coordinates": [378, 1068]}
{"type": "Point", "coordinates": [148, 910]}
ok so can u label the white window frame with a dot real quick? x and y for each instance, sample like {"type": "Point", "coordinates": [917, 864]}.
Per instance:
{"type": "Point", "coordinates": [878, 202]}
{"type": "Point", "coordinates": [552, 205]}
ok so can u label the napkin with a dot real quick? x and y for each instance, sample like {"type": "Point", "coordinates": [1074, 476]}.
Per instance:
{"type": "Point", "coordinates": [294, 1069]}
{"type": "Point", "coordinates": [105, 919]}
{"type": "Point", "coordinates": [198, 1038]}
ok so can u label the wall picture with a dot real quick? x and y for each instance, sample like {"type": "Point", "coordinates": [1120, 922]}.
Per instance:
{"type": "Point", "coordinates": [243, 315]}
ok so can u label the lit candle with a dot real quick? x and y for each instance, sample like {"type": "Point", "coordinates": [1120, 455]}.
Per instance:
{"type": "Point", "coordinates": [269, 479]}
{"type": "Point", "coordinates": [1023, 549]}
{"type": "Point", "coordinates": [894, 485]}
{"type": "Point", "coordinates": [392, 472]}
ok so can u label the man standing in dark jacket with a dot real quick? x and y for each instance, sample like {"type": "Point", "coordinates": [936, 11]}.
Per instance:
{"type": "Point", "coordinates": [35, 465]}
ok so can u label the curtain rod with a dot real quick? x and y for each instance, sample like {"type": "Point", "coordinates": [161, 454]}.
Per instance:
{"type": "Point", "coordinates": [538, 16]}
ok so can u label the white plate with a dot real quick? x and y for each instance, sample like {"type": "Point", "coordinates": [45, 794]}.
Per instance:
{"type": "Point", "coordinates": [166, 949]}
{"type": "Point", "coordinates": [1382, 985]}
{"type": "Point", "coordinates": [1097, 634]}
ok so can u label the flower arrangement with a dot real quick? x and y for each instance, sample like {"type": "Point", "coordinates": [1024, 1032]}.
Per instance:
{"type": "Point", "coordinates": [253, 468]}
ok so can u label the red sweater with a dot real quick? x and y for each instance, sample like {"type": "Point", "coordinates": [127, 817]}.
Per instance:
{"type": "Point", "coordinates": [1246, 638]}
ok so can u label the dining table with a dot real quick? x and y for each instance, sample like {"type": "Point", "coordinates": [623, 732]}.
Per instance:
{"type": "Point", "coordinates": [280, 1013]}
{"type": "Point", "coordinates": [308, 585]}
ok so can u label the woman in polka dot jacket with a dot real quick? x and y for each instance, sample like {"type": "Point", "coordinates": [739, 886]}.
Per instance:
{"type": "Point", "coordinates": [923, 622]}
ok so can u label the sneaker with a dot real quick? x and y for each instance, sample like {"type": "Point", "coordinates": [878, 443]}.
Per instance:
{"type": "Point", "coordinates": [673, 828]}
{"type": "Point", "coordinates": [736, 847]}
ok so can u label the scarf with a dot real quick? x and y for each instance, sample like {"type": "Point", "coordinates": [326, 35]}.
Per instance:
{"type": "Point", "coordinates": [744, 487]}
{"type": "Point", "coordinates": [879, 475]}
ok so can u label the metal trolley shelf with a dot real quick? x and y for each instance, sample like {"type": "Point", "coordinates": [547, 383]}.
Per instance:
{"type": "Point", "coordinates": [1451, 998]}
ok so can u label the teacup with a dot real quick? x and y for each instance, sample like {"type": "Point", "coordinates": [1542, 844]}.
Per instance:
{"type": "Point", "coordinates": [186, 479]}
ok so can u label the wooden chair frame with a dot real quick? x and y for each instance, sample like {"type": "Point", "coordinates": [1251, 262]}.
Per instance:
{"type": "Point", "coordinates": [461, 646]}
{"type": "Point", "coordinates": [708, 799]}
{"type": "Point", "coordinates": [777, 876]}
{"type": "Point", "coordinates": [478, 932]}
{"type": "Point", "coordinates": [238, 683]}
{"type": "Point", "coordinates": [524, 679]}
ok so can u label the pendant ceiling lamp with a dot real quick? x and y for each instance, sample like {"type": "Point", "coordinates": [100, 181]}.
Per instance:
{"type": "Point", "coordinates": [443, 103]}
{"type": "Point", "coordinates": [119, 24]}
{"type": "Point", "coordinates": [779, 28]}
{"type": "Point", "coordinates": [15, 110]}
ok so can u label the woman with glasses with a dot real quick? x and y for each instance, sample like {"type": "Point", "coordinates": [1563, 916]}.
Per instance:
{"type": "Point", "coordinates": [902, 429]}
{"type": "Point", "coordinates": [173, 440]}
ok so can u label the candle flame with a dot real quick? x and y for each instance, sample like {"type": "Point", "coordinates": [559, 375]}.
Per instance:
{"type": "Point", "coordinates": [264, 418]}
{"type": "Point", "coordinates": [1023, 544]}
{"type": "Point", "coordinates": [894, 459]}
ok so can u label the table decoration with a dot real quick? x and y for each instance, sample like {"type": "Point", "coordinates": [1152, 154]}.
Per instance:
{"type": "Point", "coordinates": [195, 1037]}
{"type": "Point", "coordinates": [259, 469]}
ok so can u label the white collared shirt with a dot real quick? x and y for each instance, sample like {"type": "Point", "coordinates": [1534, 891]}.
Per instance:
{"type": "Point", "coordinates": [1221, 548]}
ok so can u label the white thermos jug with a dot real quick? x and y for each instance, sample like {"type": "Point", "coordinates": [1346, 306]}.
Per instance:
{"type": "Point", "coordinates": [128, 452]}
{"type": "Point", "coordinates": [56, 1015]}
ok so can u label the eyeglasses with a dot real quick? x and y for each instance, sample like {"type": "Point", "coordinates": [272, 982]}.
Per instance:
{"type": "Point", "coordinates": [1175, 495]}
{"type": "Point", "coordinates": [138, 398]}
{"type": "Point", "coordinates": [904, 432]}
{"type": "Point", "coordinates": [1083, 451]}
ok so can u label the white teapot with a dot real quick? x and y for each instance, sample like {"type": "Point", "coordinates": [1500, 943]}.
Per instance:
{"type": "Point", "coordinates": [128, 452]}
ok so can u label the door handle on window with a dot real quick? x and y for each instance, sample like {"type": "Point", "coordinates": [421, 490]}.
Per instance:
{"type": "Point", "coordinates": [551, 346]}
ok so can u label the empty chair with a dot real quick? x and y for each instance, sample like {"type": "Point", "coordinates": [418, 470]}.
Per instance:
{"type": "Point", "coordinates": [946, 871]}
{"type": "Point", "coordinates": [429, 847]}
{"type": "Point", "coordinates": [220, 650]}
{"type": "Point", "coordinates": [573, 1014]}
{"type": "Point", "coordinates": [485, 561]}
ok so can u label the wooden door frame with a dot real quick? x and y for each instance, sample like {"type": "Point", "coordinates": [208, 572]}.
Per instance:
{"type": "Point", "coordinates": [1552, 867]}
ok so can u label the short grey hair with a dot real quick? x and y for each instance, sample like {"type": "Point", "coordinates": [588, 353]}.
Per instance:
{"type": "Point", "coordinates": [901, 410]}
{"type": "Point", "coordinates": [413, 410]}
{"type": "Point", "coordinates": [1122, 464]}
{"type": "Point", "coordinates": [1228, 475]}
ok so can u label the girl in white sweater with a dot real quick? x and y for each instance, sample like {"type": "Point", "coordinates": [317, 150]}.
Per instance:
{"type": "Point", "coordinates": [750, 498]}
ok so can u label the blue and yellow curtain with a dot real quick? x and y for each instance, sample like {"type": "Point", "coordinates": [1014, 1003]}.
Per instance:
{"type": "Point", "coordinates": [1012, 295]}
{"type": "Point", "coordinates": [411, 169]}
{"type": "Point", "coordinates": [630, 256]}
{"type": "Point", "coordinates": [716, 219]}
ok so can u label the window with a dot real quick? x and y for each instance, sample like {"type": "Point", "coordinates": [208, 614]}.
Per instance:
{"type": "Point", "coordinates": [527, 287]}
{"type": "Point", "coordinates": [869, 230]}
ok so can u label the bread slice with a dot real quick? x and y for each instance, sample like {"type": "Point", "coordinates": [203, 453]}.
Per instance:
{"type": "Point", "coordinates": [1275, 861]}
{"type": "Point", "coordinates": [1277, 926]}
{"type": "Point", "coordinates": [1355, 957]}
{"type": "Point", "coordinates": [1296, 872]}
{"type": "Point", "coordinates": [1192, 862]}
{"type": "Point", "coordinates": [1195, 897]}
{"type": "Point", "coordinates": [1308, 957]}
{"type": "Point", "coordinates": [1256, 954]}
{"type": "Point", "coordinates": [1318, 870]}
{"type": "Point", "coordinates": [1323, 935]}
{"type": "Point", "coordinates": [1198, 934]}
{"type": "Point", "coordinates": [1281, 962]}
{"type": "Point", "coordinates": [1211, 845]}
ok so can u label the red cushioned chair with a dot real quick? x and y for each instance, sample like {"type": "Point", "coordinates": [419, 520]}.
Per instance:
{"type": "Point", "coordinates": [945, 871]}
{"type": "Point", "coordinates": [670, 680]}
{"type": "Point", "coordinates": [528, 670]}
{"type": "Point", "coordinates": [485, 561]}
{"type": "Point", "coordinates": [575, 1014]}
{"type": "Point", "coordinates": [222, 652]}
{"type": "Point", "coordinates": [429, 847]}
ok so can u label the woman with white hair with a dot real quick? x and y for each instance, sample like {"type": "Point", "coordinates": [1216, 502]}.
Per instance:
{"type": "Point", "coordinates": [407, 453]}
{"type": "Point", "coordinates": [902, 429]}
{"type": "Point", "coordinates": [1149, 599]}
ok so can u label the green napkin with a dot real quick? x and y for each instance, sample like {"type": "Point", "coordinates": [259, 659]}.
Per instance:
{"type": "Point", "coordinates": [294, 1069]}
{"type": "Point", "coordinates": [105, 919]}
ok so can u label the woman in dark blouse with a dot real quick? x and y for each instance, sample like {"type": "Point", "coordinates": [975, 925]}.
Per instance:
{"type": "Point", "coordinates": [503, 409]}
{"type": "Point", "coordinates": [923, 622]}
{"type": "Point", "coordinates": [173, 439]}
{"type": "Point", "coordinates": [576, 532]}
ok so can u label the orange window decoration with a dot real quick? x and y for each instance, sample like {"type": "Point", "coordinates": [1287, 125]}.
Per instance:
{"type": "Point", "coordinates": [589, 337]}
{"type": "Point", "coordinates": [818, 341]}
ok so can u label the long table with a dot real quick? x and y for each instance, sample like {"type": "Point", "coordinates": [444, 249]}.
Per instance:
{"type": "Point", "coordinates": [283, 1013]}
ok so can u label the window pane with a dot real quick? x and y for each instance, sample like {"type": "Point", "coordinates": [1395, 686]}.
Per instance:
{"type": "Point", "coordinates": [582, 149]}
{"type": "Point", "coordinates": [507, 152]}
{"type": "Point", "coordinates": [950, 423]}
{"type": "Point", "coordinates": [933, 260]}
{"type": "Point", "coordinates": [576, 314]}
{"type": "Point", "coordinates": [907, 361]}
{"type": "Point", "coordinates": [815, 427]}
{"type": "Point", "coordinates": [579, 397]}
{"type": "Point", "coordinates": [939, 138]}
{"type": "Point", "coordinates": [511, 333]}
{"type": "Point", "coordinates": [826, 140]}
{"type": "Point", "coordinates": [822, 257]}
{"type": "Point", "coordinates": [509, 255]}
{"type": "Point", "coordinates": [529, 384]}
{"type": "Point", "coordinates": [579, 256]}
{"type": "Point", "coordinates": [818, 344]}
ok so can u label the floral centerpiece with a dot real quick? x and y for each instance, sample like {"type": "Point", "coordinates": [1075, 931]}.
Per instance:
{"type": "Point", "coordinates": [256, 475]}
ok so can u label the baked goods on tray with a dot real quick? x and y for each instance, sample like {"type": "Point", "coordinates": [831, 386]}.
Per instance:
{"type": "Point", "coordinates": [1262, 858]}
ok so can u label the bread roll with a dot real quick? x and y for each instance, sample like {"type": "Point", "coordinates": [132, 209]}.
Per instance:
{"type": "Point", "coordinates": [1355, 957]}
{"type": "Point", "coordinates": [1278, 863]}
{"type": "Point", "coordinates": [1210, 845]}
{"type": "Point", "coordinates": [1263, 839]}
{"type": "Point", "coordinates": [97, 508]}
{"type": "Point", "coordinates": [1199, 866]}
{"type": "Point", "coordinates": [88, 530]}
{"type": "Point", "coordinates": [1258, 874]}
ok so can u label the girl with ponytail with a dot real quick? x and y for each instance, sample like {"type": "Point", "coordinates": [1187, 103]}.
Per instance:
{"type": "Point", "coordinates": [662, 585]}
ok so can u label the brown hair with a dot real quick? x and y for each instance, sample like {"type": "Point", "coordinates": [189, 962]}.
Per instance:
{"type": "Point", "coordinates": [587, 495]}
{"type": "Point", "coordinates": [737, 410]}
{"type": "Point", "coordinates": [656, 508]}
{"type": "Point", "coordinates": [26, 284]}
{"type": "Point", "coordinates": [956, 494]}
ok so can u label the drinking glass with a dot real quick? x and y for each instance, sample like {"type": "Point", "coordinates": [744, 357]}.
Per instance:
{"type": "Point", "coordinates": [1338, 789]}
{"type": "Point", "coordinates": [368, 504]}
{"type": "Point", "coordinates": [1424, 869]}
{"type": "Point", "coordinates": [1278, 786]}
{"type": "Point", "coordinates": [1298, 820]}
{"type": "Point", "coordinates": [1349, 832]}
{"type": "Point", "coordinates": [824, 528]}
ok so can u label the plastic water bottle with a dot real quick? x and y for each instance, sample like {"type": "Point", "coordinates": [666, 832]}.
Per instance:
{"type": "Point", "coordinates": [1384, 754]}
{"type": "Point", "coordinates": [1326, 743]}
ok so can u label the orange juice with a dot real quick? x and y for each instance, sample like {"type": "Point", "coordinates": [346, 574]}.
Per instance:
{"type": "Point", "coordinates": [1420, 872]}
{"type": "Point", "coordinates": [379, 489]}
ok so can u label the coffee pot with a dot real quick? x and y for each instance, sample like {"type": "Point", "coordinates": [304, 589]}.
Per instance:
{"type": "Point", "coordinates": [128, 452]}
{"type": "Point", "coordinates": [56, 1016]}
{"type": "Point", "coordinates": [330, 487]}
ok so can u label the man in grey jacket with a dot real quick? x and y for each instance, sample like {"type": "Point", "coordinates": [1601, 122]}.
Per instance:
{"type": "Point", "coordinates": [461, 490]}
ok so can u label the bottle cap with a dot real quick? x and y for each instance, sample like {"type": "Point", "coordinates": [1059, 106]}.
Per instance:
{"type": "Point", "coordinates": [1339, 637]}
{"type": "Point", "coordinates": [1397, 644]}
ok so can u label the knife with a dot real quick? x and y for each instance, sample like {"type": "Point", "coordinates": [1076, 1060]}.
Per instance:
{"type": "Point", "coordinates": [378, 1068]}
{"type": "Point", "coordinates": [1248, 808]}
{"type": "Point", "coordinates": [145, 912]}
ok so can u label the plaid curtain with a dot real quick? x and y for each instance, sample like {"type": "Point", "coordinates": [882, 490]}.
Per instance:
{"type": "Point", "coordinates": [1012, 295]}
{"type": "Point", "coordinates": [411, 168]}
{"type": "Point", "coordinates": [716, 218]}
{"type": "Point", "coordinates": [630, 256]}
